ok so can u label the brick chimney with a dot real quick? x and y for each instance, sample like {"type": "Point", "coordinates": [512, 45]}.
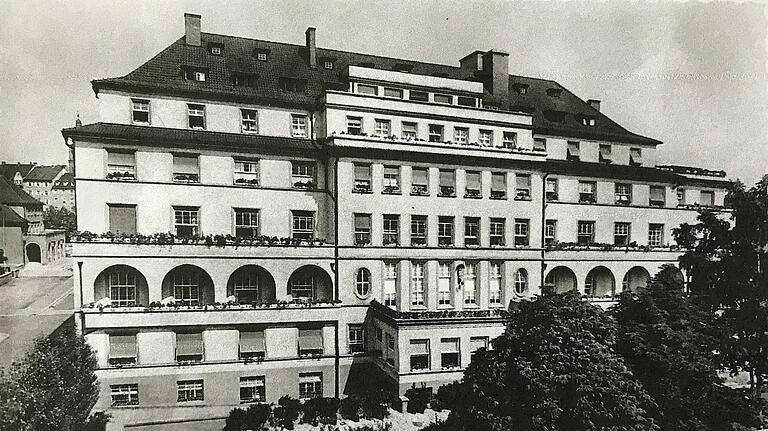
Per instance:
{"type": "Point", "coordinates": [192, 29]}
{"type": "Point", "coordinates": [311, 47]}
{"type": "Point", "coordinates": [496, 66]}
{"type": "Point", "coordinates": [595, 104]}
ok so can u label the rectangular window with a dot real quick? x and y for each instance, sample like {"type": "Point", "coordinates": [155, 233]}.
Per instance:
{"type": "Point", "coordinates": [303, 175]}
{"type": "Point", "coordinates": [362, 178]}
{"type": "Point", "coordinates": [124, 395]}
{"type": "Point", "coordinates": [140, 111]}
{"type": "Point", "coordinates": [303, 224]}
{"type": "Point", "coordinates": [418, 230]}
{"type": "Point", "coordinates": [445, 231]}
{"type": "Point", "coordinates": [587, 192]}
{"type": "Point", "coordinates": [122, 218]}
{"type": "Point", "coordinates": [292, 84]}
{"type": "Point", "coordinates": [623, 194]}
{"type": "Point", "coordinates": [393, 92]}
{"type": "Point", "coordinates": [680, 196]}
{"type": "Point", "coordinates": [522, 232]}
{"type": "Point", "coordinates": [523, 189]}
{"type": "Point", "coordinates": [471, 231]}
{"type": "Point", "coordinates": [390, 284]}
{"type": "Point", "coordinates": [382, 128]}
{"type": "Point", "coordinates": [494, 284]}
{"type": "Point", "coordinates": [122, 288]}
{"type": "Point", "coordinates": [510, 140]}
{"type": "Point", "coordinates": [368, 89]}
{"type": "Point", "coordinates": [122, 349]}
{"type": "Point", "coordinates": [196, 116]}
{"type": "Point", "coordinates": [444, 283]}
{"type": "Point", "coordinates": [190, 73]}
{"type": "Point", "coordinates": [470, 284]}
{"type": "Point", "coordinates": [362, 229]}
{"type": "Point", "coordinates": [574, 151]}
{"type": "Point", "coordinates": [707, 198]}
{"type": "Point", "coordinates": [498, 185]}
{"type": "Point", "coordinates": [310, 342]}
{"type": "Point", "coordinates": [246, 172]}
{"type": "Point", "coordinates": [189, 346]}
{"type": "Point", "coordinates": [420, 181]}
{"type": "Point", "coordinates": [539, 144]}
{"type": "Point", "coordinates": [417, 284]}
{"type": "Point", "coordinates": [391, 229]}
{"type": "Point", "coordinates": [605, 153]}
{"type": "Point", "coordinates": [550, 232]}
{"type": "Point", "coordinates": [299, 126]}
{"type": "Point", "coordinates": [477, 343]}
{"type": "Point", "coordinates": [472, 187]}
{"type": "Point", "coordinates": [418, 96]}
{"type": "Point", "coordinates": [186, 168]}
{"type": "Point", "coordinates": [552, 189]}
{"type": "Point", "coordinates": [419, 355]}
{"type": "Point", "coordinates": [655, 235]}
{"type": "Point", "coordinates": [121, 165]}
{"type": "Point", "coordinates": [635, 156]}
{"type": "Point", "coordinates": [485, 138]}
{"type": "Point", "coordinates": [252, 390]}
{"type": "Point", "coordinates": [391, 180]}
{"type": "Point", "coordinates": [443, 98]}
{"type": "Point", "coordinates": [621, 233]}
{"type": "Point", "coordinates": [354, 125]}
{"type": "Point", "coordinates": [356, 339]}
{"type": "Point", "coordinates": [460, 135]}
{"type": "Point", "coordinates": [585, 234]}
{"type": "Point", "coordinates": [252, 343]}
{"type": "Point", "coordinates": [447, 182]}
{"type": "Point", "coordinates": [409, 131]}
{"type": "Point", "coordinates": [657, 197]}
{"type": "Point", "coordinates": [186, 222]}
{"type": "Point", "coordinates": [250, 121]}
{"type": "Point", "coordinates": [246, 223]}
{"type": "Point", "coordinates": [466, 101]}
{"type": "Point", "coordinates": [310, 385]}
{"type": "Point", "coordinates": [450, 353]}
{"type": "Point", "coordinates": [245, 79]}
{"type": "Point", "coordinates": [497, 231]}
{"type": "Point", "coordinates": [435, 133]}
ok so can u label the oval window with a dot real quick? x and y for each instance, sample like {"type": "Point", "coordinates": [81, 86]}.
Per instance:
{"type": "Point", "coordinates": [363, 283]}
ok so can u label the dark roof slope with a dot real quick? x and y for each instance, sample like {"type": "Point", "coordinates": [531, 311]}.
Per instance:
{"type": "Point", "coordinates": [8, 170]}
{"type": "Point", "coordinates": [162, 75]}
{"type": "Point", "coordinates": [8, 217]}
{"type": "Point", "coordinates": [65, 182]}
{"type": "Point", "coordinates": [44, 173]}
{"type": "Point", "coordinates": [11, 194]}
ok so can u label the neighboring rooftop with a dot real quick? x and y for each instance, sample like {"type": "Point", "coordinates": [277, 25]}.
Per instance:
{"type": "Point", "coordinates": [65, 182]}
{"type": "Point", "coordinates": [9, 170]}
{"type": "Point", "coordinates": [8, 217]}
{"type": "Point", "coordinates": [13, 195]}
{"type": "Point", "coordinates": [44, 173]}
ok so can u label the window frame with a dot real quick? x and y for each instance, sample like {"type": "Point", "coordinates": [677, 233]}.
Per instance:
{"type": "Point", "coordinates": [130, 390]}
{"type": "Point", "coordinates": [148, 111]}
{"type": "Point", "coordinates": [436, 133]}
{"type": "Point", "coordinates": [419, 223]}
{"type": "Point", "coordinates": [239, 219]}
{"type": "Point", "coordinates": [190, 390]}
{"type": "Point", "coordinates": [580, 236]}
{"type": "Point", "coordinates": [196, 111]}
{"type": "Point", "coordinates": [622, 233]}
{"type": "Point", "coordinates": [299, 126]}
{"type": "Point", "coordinates": [256, 385]}
{"type": "Point", "coordinates": [247, 124]}
{"type": "Point", "coordinates": [363, 283]}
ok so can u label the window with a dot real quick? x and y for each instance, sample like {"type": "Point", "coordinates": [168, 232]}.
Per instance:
{"type": "Point", "coordinates": [550, 232]}
{"type": "Point", "coordinates": [246, 223]}
{"type": "Point", "coordinates": [588, 121]}
{"type": "Point", "coordinates": [418, 96]}
{"type": "Point", "coordinates": [186, 221]}
{"type": "Point", "coordinates": [362, 229]}
{"type": "Point", "coordinates": [521, 282]}
{"type": "Point", "coordinates": [382, 128]}
{"type": "Point", "coordinates": [539, 144]}
{"type": "Point", "coordinates": [552, 189]}
{"type": "Point", "coordinates": [244, 79]}
{"type": "Point", "coordinates": [391, 180]}
{"type": "Point", "coordinates": [655, 235]}
{"type": "Point", "coordinates": [605, 153]}
{"type": "Point", "coordinates": [657, 198]}
{"type": "Point", "coordinates": [193, 73]}
{"type": "Point", "coordinates": [252, 390]}
{"type": "Point", "coordinates": [471, 231]}
{"type": "Point", "coordinates": [521, 232]}
{"type": "Point", "coordinates": [707, 198]}
{"type": "Point", "coordinates": [497, 231]}
{"type": "Point", "coordinates": [363, 283]}
{"type": "Point", "coordinates": [418, 230]}
{"type": "Point", "coordinates": [310, 385]}
{"type": "Point", "coordinates": [124, 395]}
{"type": "Point", "coordinates": [621, 233]}
{"type": "Point", "coordinates": [587, 191]}
{"type": "Point", "coordinates": [435, 133]}
{"type": "Point", "coordinates": [485, 137]}
{"type": "Point", "coordinates": [390, 284]}
{"type": "Point", "coordinates": [460, 135]}
{"type": "Point", "coordinates": [472, 187]}
{"type": "Point", "coordinates": [450, 353]}
{"type": "Point", "coordinates": [246, 172]}
{"type": "Point", "coordinates": [185, 168]}
{"type": "Point", "coordinates": [293, 85]}
{"type": "Point", "coordinates": [494, 284]}
{"type": "Point", "coordinates": [189, 347]}
{"type": "Point", "coordinates": [409, 130]}
{"type": "Point", "coordinates": [417, 284]}
{"type": "Point", "coordinates": [121, 166]}
{"type": "Point", "coordinates": [196, 116]}
{"type": "Point", "coordinates": [362, 178]}
{"type": "Point", "coordinates": [122, 349]}
{"type": "Point", "coordinates": [328, 65]}
{"type": "Point", "coordinates": [447, 183]}
{"type": "Point", "coordinates": [498, 185]}
{"type": "Point", "coordinates": [477, 343]}
{"type": "Point", "coordinates": [443, 98]}
{"type": "Point", "coordinates": [393, 92]}
{"type": "Point", "coordinates": [523, 189]}
{"type": "Point", "coordinates": [470, 284]}
{"type": "Point", "coordinates": [573, 151]}
{"type": "Point", "coordinates": [585, 234]}
{"type": "Point", "coordinates": [466, 101]}
{"type": "Point", "coordinates": [510, 140]}
{"type": "Point", "coordinates": [420, 181]}
{"type": "Point", "coordinates": [680, 196]}
{"type": "Point", "coordinates": [356, 338]}
{"type": "Point", "coordinates": [140, 111]}
{"type": "Point", "coordinates": [303, 175]}
{"type": "Point", "coordinates": [299, 126]}
{"type": "Point", "coordinates": [445, 231]}
{"type": "Point", "coordinates": [368, 89]}
{"type": "Point", "coordinates": [122, 218]}
{"type": "Point", "coordinates": [310, 342]}
{"type": "Point", "coordinates": [444, 283]}
{"type": "Point", "coordinates": [391, 229]}
{"type": "Point", "coordinates": [261, 55]}
{"type": "Point", "coordinates": [635, 156]}
{"type": "Point", "coordinates": [419, 355]}
{"type": "Point", "coordinates": [355, 125]}
{"type": "Point", "coordinates": [252, 344]}
{"type": "Point", "coordinates": [623, 194]}
{"type": "Point", "coordinates": [303, 225]}
{"type": "Point", "coordinates": [250, 121]}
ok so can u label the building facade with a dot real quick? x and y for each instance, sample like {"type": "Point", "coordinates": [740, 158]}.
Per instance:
{"type": "Point", "coordinates": [62, 193]}
{"type": "Point", "coordinates": [265, 219]}
{"type": "Point", "coordinates": [40, 180]}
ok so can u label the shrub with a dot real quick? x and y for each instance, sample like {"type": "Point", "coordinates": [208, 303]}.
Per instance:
{"type": "Point", "coordinates": [446, 397]}
{"type": "Point", "coordinates": [418, 399]}
{"type": "Point", "coordinates": [252, 418]}
{"type": "Point", "coordinates": [286, 412]}
{"type": "Point", "coordinates": [351, 408]}
{"type": "Point", "coordinates": [320, 410]}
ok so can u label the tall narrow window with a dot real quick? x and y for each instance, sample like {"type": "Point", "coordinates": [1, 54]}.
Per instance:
{"type": "Point", "coordinates": [657, 197]}
{"type": "Point", "coordinates": [470, 284]}
{"type": "Point", "coordinates": [472, 188]}
{"type": "Point", "coordinates": [140, 111]}
{"type": "Point", "coordinates": [362, 178]}
{"type": "Point", "coordinates": [122, 287]}
{"type": "Point", "coordinates": [623, 194]}
{"type": "Point", "coordinates": [303, 224]}
{"type": "Point", "coordinates": [574, 151]}
{"type": "Point", "coordinates": [498, 185]}
{"type": "Point", "coordinates": [510, 140]}
{"type": "Point", "coordinates": [409, 131]}
{"type": "Point", "coordinates": [655, 235]}
{"type": "Point", "coordinates": [356, 340]}
{"type": "Point", "coordinates": [552, 190]}
{"type": "Point", "coordinates": [186, 168]}
{"type": "Point", "coordinates": [447, 182]}
{"type": "Point", "coordinates": [354, 125]}
{"type": "Point", "coordinates": [121, 165]}
{"type": "Point", "coordinates": [299, 126]}
{"type": "Point", "coordinates": [585, 232]}
{"type": "Point", "coordinates": [435, 133]}
{"type": "Point", "coordinates": [419, 355]}
{"type": "Point", "coordinates": [391, 229]}
{"type": "Point", "coordinates": [382, 128]}
{"type": "Point", "coordinates": [418, 230]}
{"type": "Point", "coordinates": [485, 138]}
{"type": "Point", "coordinates": [444, 283]}
{"type": "Point", "coordinates": [417, 284]}
{"type": "Point", "coordinates": [497, 231]}
{"type": "Point", "coordinates": [494, 284]}
{"type": "Point", "coordinates": [246, 223]}
{"type": "Point", "coordinates": [196, 116]}
{"type": "Point", "coordinates": [186, 221]}
{"type": "Point", "coordinates": [250, 121]}
{"type": "Point", "coordinates": [363, 283]}
{"type": "Point", "coordinates": [621, 232]}
{"type": "Point", "coordinates": [460, 135]}
{"type": "Point", "coordinates": [252, 390]}
{"type": "Point", "coordinates": [303, 175]}
{"type": "Point", "coordinates": [550, 232]}
{"type": "Point", "coordinates": [587, 192]}
{"type": "Point", "coordinates": [450, 353]}
{"type": "Point", "coordinates": [390, 284]}
{"type": "Point", "coordinates": [246, 172]}
{"type": "Point", "coordinates": [680, 196]}
{"type": "Point", "coordinates": [391, 180]}
{"type": "Point", "coordinates": [522, 235]}
{"type": "Point", "coordinates": [523, 189]}
{"type": "Point", "coordinates": [521, 282]}
{"type": "Point", "coordinates": [471, 231]}
{"type": "Point", "coordinates": [445, 231]}
{"type": "Point", "coordinates": [362, 229]}
{"type": "Point", "coordinates": [420, 181]}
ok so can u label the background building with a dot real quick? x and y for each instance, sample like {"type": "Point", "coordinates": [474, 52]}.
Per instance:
{"type": "Point", "coordinates": [62, 193]}
{"type": "Point", "coordinates": [40, 180]}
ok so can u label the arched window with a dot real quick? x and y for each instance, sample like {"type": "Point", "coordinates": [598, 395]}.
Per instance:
{"type": "Point", "coordinates": [521, 282]}
{"type": "Point", "coordinates": [363, 283]}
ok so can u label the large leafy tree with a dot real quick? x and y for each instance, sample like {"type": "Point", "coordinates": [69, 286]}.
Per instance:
{"type": "Point", "coordinates": [552, 369]}
{"type": "Point", "coordinates": [60, 218]}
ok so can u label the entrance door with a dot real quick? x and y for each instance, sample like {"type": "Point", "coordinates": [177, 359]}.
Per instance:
{"type": "Point", "coordinates": [33, 252]}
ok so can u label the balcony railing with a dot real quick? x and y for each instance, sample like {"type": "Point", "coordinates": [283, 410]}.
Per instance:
{"type": "Point", "coordinates": [158, 306]}
{"type": "Point", "coordinates": [440, 314]}
{"type": "Point", "coordinates": [419, 190]}
{"type": "Point", "coordinates": [207, 240]}
{"type": "Point", "coordinates": [599, 246]}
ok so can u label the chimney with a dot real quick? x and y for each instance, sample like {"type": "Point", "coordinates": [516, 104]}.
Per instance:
{"type": "Point", "coordinates": [192, 29]}
{"type": "Point", "coordinates": [595, 104]}
{"type": "Point", "coordinates": [496, 68]}
{"type": "Point", "coordinates": [311, 47]}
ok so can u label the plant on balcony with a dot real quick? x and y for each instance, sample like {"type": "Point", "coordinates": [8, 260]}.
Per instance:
{"type": "Point", "coordinates": [391, 190]}
{"type": "Point", "coordinates": [307, 185]}
{"type": "Point", "coordinates": [419, 190]}
{"type": "Point", "coordinates": [217, 240]}
{"type": "Point", "coordinates": [117, 175]}
{"type": "Point", "coordinates": [247, 182]}
{"type": "Point", "coordinates": [498, 194]}
{"type": "Point", "coordinates": [523, 195]}
{"type": "Point", "coordinates": [447, 191]}
{"type": "Point", "coordinates": [473, 194]}
{"type": "Point", "coordinates": [189, 178]}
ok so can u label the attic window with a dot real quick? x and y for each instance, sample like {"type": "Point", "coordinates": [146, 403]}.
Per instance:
{"type": "Point", "coordinates": [261, 54]}
{"type": "Point", "coordinates": [216, 48]}
{"type": "Point", "coordinates": [191, 73]}
{"type": "Point", "coordinates": [293, 85]}
{"type": "Point", "coordinates": [588, 121]}
{"type": "Point", "coordinates": [327, 64]}
{"type": "Point", "coordinates": [520, 88]}
{"type": "Point", "coordinates": [554, 92]}
{"type": "Point", "coordinates": [554, 116]}
{"type": "Point", "coordinates": [244, 79]}
{"type": "Point", "coordinates": [366, 64]}
{"type": "Point", "coordinates": [402, 67]}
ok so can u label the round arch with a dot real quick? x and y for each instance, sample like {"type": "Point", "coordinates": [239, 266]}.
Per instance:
{"type": "Point", "coordinates": [188, 285]}
{"type": "Point", "coordinates": [125, 285]}
{"type": "Point", "coordinates": [251, 284]}
{"type": "Point", "coordinates": [637, 278]}
{"type": "Point", "coordinates": [312, 283]}
{"type": "Point", "coordinates": [561, 279]}
{"type": "Point", "coordinates": [34, 254]}
{"type": "Point", "coordinates": [600, 282]}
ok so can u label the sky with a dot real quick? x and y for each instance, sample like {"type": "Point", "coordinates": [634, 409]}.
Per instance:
{"type": "Point", "coordinates": [691, 74]}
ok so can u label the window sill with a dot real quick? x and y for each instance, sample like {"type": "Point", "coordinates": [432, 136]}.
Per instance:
{"type": "Point", "coordinates": [398, 192]}
{"type": "Point", "coordinates": [498, 198]}
{"type": "Point", "coordinates": [418, 308]}
{"type": "Point", "coordinates": [362, 192]}
{"type": "Point", "coordinates": [446, 196]}
{"type": "Point", "coordinates": [445, 307]}
{"type": "Point", "coordinates": [455, 368]}
{"type": "Point", "coordinates": [473, 196]}
{"type": "Point", "coordinates": [471, 306]}
{"type": "Point", "coordinates": [419, 194]}
{"type": "Point", "coordinates": [254, 185]}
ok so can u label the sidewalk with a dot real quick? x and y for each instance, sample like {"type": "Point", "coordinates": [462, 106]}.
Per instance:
{"type": "Point", "coordinates": [61, 268]}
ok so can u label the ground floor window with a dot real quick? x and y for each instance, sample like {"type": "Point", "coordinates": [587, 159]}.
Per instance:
{"type": "Point", "coordinates": [419, 355]}
{"type": "Point", "coordinates": [190, 390]}
{"type": "Point", "coordinates": [124, 395]}
{"type": "Point", "coordinates": [310, 385]}
{"type": "Point", "coordinates": [252, 389]}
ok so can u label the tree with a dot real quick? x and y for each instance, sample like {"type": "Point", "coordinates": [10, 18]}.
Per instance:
{"type": "Point", "coordinates": [666, 338]}
{"type": "Point", "coordinates": [53, 388]}
{"type": "Point", "coordinates": [60, 218]}
{"type": "Point", "coordinates": [552, 369]}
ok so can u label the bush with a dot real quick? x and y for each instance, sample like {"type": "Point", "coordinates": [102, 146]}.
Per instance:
{"type": "Point", "coordinates": [252, 418]}
{"type": "Point", "coordinates": [97, 422]}
{"type": "Point", "coordinates": [320, 411]}
{"type": "Point", "coordinates": [351, 408]}
{"type": "Point", "coordinates": [286, 412]}
{"type": "Point", "coordinates": [418, 399]}
{"type": "Point", "coordinates": [446, 397]}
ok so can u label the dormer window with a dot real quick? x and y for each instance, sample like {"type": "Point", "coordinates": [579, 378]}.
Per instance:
{"type": "Point", "coordinates": [216, 48]}
{"type": "Point", "coordinates": [588, 121]}
{"type": "Point", "coordinates": [261, 54]}
{"type": "Point", "coordinates": [328, 65]}
{"type": "Point", "coordinates": [402, 67]}
{"type": "Point", "coordinates": [554, 92]}
{"type": "Point", "coordinates": [243, 79]}
{"type": "Point", "coordinates": [520, 88]}
{"type": "Point", "coordinates": [293, 85]}
{"type": "Point", "coordinates": [191, 73]}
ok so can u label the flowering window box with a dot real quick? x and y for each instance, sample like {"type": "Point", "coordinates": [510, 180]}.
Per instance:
{"type": "Point", "coordinates": [121, 176]}
{"type": "Point", "coordinates": [472, 194]}
{"type": "Point", "coordinates": [447, 191]}
{"type": "Point", "coordinates": [304, 185]}
{"type": "Point", "coordinates": [419, 190]}
{"type": "Point", "coordinates": [186, 178]}
{"type": "Point", "coordinates": [251, 182]}
{"type": "Point", "coordinates": [498, 194]}
{"type": "Point", "coordinates": [391, 190]}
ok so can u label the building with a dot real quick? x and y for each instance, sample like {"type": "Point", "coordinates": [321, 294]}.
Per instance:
{"type": "Point", "coordinates": [16, 172]}
{"type": "Point", "coordinates": [339, 216]}
{"type": "Point", "coordinates": [40, 180]}
{"type": "Point", "coordinates": [62, 193]}
{"type": "Point", "coordinates": [12, 230]}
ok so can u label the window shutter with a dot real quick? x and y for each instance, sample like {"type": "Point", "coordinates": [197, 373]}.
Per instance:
{"type": "Point", "coordinates": [473, 180]}
{"type": "Point", "coordinates": [657, 193]}
{"type": "Point", "coordinates": [419, 347]}
{"type": "Point", "coordinates": [252, 342]}
{"type": "Point", "coordinates": [362, 222]}
{"type": "Point", "coordinates": [362, 172]}
{"type": "Point", "coordinates": [498, 182]}
{"type": "Point", "coordinates": [122, 218]}
{"type": "Point", "coordinates": [122, 346]}
{"type": "Point", "coordinates": [311, 339]}
{"type": "Point", "coordinates": [447, 178]}
{"type": "Point", "coordinates": [189, 344]}
{"type": "Point", "coordinates": [121, 158]}
{"type": "Point", "coordinates": [523, 181]}
{"type": "Point", "coordinates": [449, 345]}
{"type": "Point", "coordinates": [185, 165]}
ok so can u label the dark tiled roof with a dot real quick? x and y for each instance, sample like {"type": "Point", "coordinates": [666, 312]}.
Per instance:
{"type": "Point", "coordinates": [162, 75]}
{"type": "Point", "coordinates": [8, 170]}
{"type": "Point", "coordinates": [603, 170]}
{"type": "Point", "coordinates": [11, 194]}
{"type": "Point", "coordinates": [44, 173]}
{"type": "Point", "coordinates": [65, 182]}
{"type": "Point", "coordinates": [8, 217]}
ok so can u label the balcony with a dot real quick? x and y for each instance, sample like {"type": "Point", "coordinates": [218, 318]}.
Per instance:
{"type": "Point", "coordinates": [391, 190]}
{"type": "Point", "coordinates": [447, 191]}
{"type": "Point", "coordinates": [402, 316]}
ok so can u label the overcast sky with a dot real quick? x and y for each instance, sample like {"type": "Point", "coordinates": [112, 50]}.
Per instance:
{"type": "Point", "coordinates": [690, 74]}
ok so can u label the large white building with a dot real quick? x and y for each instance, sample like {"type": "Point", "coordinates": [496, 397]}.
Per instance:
{"type": "Point", "coordinates": [342, 220]}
